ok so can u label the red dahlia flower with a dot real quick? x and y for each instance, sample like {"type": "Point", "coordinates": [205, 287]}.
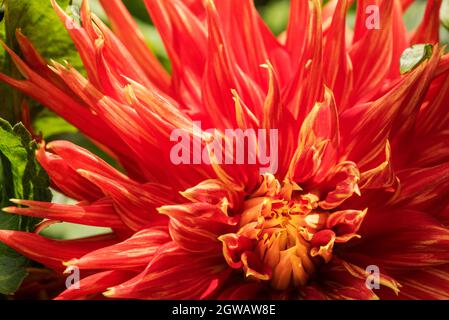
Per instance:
{"type": "Point", "coordinates": [363, 158]}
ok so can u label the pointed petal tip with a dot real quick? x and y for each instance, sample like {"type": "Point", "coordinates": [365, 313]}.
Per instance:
{"type": "Point", "coordinates": [109, 293]}
{"type": "Point", "coordinates": [19, 34]}
{"type": "Point", "coordinates": [69, 265]}
{"type": "Point", "coordinates": [5, 233]}
{"type": "Point", "coordinates": [84, 173]}
{"type": "Point", "coordinates": [9, 209]}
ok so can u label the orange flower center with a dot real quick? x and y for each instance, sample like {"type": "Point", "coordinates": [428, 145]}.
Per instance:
{"type": "Point", "coordinates": [284, 235]}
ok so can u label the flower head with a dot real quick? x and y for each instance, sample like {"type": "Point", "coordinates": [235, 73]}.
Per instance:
{"type": "Point", "coordinates": [363, 166]}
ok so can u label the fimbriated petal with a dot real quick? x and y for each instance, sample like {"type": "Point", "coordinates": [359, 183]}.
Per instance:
{"type": "Point", "coordinates": [128, 32]}
{"type": "Point", "coordinates": [338, 66]}
{"type": "Point", "coordinates": [135, 204]}
{"type": "Point", "coordinates": [133, 253]}
{"type": "Point", "coordinates": [100, 213]}
{"type": "Point", "coordinates": [381, 176]}
{"type": "Point", "coordinates": [318, 143]}
{"type": "Point", "coordinates": [401, 239]}
{"type": "Point", "coordinates": [213, 191]}
{"type": "Point", "coordinates": [297, 98]}
{"type": "Point", "coordinates": [196, 227]}
{"type": "Point", "coordinates": [429, 29]}
{"type": "Point", "coordinates": [422, 188]}
{"type": "Point", "coordinates": [185, 38]}
{"type": "Point", "coordinates": [426, 284]}
{"type": "Point", "coordinates": [366, 128]}
{"type": "Point", "coordinates": [247, 291]}
{"type": "Point", "coordinates": [174, 274]}
{"type": "Point", "coordinates": [430, 150]}
{"type": "Point", "coordinates": [251, 44]}
{"type": "Point", "coordinates": [223, 74]}
{"type": "Point", "coordinates": [80, 158]}
{"type": "Point", "coordinates": [344, 285]}
{"type": "Point", "coordinates": [66, 179]}
{"type": "Point", "coordinates": [52, 253]}
{"type": "Point", "coordinates": [369, 74]}
{"type": "Point", "coordinates": [400, 38]}
{"type": "Point", "coordinates": [433, 117]}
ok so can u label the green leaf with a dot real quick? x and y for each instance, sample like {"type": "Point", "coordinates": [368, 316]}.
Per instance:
{"type": "Point", "coordinates": [414, 56]}
{"type": "Point", "coordinates": [276, 14]}
{"type": "Point", "coordinates": [137, 9]}
{"type": "Point", "coordinates": [40, 24]}
{"type": "Point", "coordinates": [49, 125]}
{"type": "Point", "coordinates": [444, 14]}
{"type": "Point", "coordinates": [23, 178]}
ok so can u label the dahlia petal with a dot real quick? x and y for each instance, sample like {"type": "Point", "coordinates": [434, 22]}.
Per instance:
{"type": "Point", "coordinates": [343, 280]}
{"type": "Point", "coordinates": [337, 283]}
{"type": "Point", "coordinates": [382, 176]}
{"type": "Point", "coordinates": [429, 29]}
{"type": "Point", "coordinates": [246, 291]}
{"type": "Point", "coordinates": [421, 187]}
{"type": "Point", "coordinates": [66, 179]}
{"type": "Point", "coordinates": [368, 75]}
{"type": "Point", "coordinates": [128, 32]}
{"type": "Point", "coordinates": [51, 253]}
{"type": "Point", "coordinates": [136, 212]}
{"type": "Point", "coordinates": [234, 245]}
{"type": "Point", "coordinates": [297, 23]}
{"type": "Point", "coordinates": [58, 97]}
{"type": "Point", "coordinates": [117, 55]}
{"type": "Point", "coordinates": [337, 67]}
{"type": "Point", "coordinates": [100, 213]}
{"type": "Point", "coordinates": [213, 191]}
{"type": "Point", "coordinates": [411, 241]}
{"type": "Point", "coordinates": [250, 45]}
{"type": "Point", "coordinates": [95, 284]}
{"type": "Point", "coordinates": [81, 40]}
{"type": "Point", "coordinates": [133, 253]}
{"type": "Point", "coordinates": [346, 177]}
{"type": "Point", "coordinates": [196, 277]}
{"type": "Point", "coordinates": [111, 81]}
{"type": "Point", "coordinates": [185, 39]}
{"type": "Point", "coordinates": [345, 223]}
{"type": "Point", "coordinates": [400, 38]}
{"type": "Point", "coordinates": [426, 284]}
{"type": "Point", "coordinates": [196, 227]}
{"type": "Point", "coordinates": [223, 74]}
{"type": "Point", "coordinates": [374, 121]}
{"type": "Point", "coordinates": [298, 100]}
{"type": "Point", "coordinates": [80, 158]}
{"type": "Point", "coordinates": [318, 142]}
{"type": "Point", "coordinates": [276, 116]}
{"type": "Point", "coordinates": [433, 118]}
{"type": "Point", "coordinates": [405, 123]}
{"type": "Point", "coordinates": [32, 56]}
{"type": "Point", "coordinates": [431, 150]}
{"type": "Point", "coordinates": [322, 244]}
